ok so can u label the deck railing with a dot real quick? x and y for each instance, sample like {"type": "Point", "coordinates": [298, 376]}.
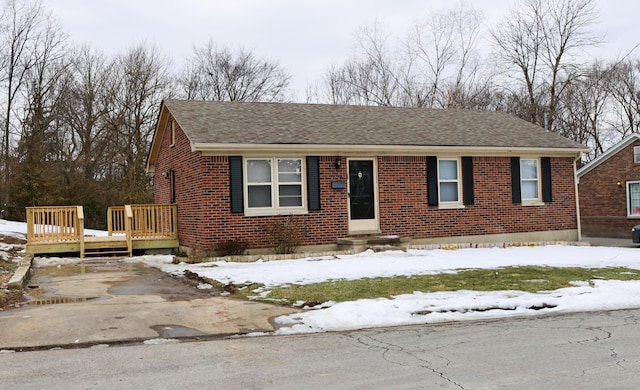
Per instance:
{"type": "Point", "coordinates": [116, 221]}
{"type": "Point", "coordinates": [143, 226]}
{"type": "Point", "coordinates": [144, 220]}
{"type": "Point", "coordinates": [55, 224]}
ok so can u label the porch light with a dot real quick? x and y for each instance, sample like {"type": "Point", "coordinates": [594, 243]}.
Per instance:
{"type": "Point", "coordinates": [619, 183]}
{"type": "Point", "coordinates": [337, 163]}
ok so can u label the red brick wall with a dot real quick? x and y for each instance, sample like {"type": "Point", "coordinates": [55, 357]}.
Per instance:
{"type": "Point", "coordinates": [404, 209]}
{"type": "Point", "coordinates": [204, 216]}
{"type": "Point", "coordinates": [603, 205]}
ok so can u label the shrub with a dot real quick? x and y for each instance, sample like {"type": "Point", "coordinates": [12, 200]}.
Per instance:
{"type": "Point", "coordinates": [231, 247]}
{"type": "Point", "coordinates": [286, 234]}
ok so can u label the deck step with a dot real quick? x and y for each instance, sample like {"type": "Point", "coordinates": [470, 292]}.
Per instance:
{"type": "Point", "coordinates": [104, 251]}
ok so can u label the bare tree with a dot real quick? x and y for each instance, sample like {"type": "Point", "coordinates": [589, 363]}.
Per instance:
{"type": "Point", "coordinates": [436, 66]}
{"type": "Point", "coordinates": [217, 73]}
{"type": "Point", "coordinates": [37, 176]}
{"type": "Point", "coordinates": [139, 83]}
{"type": "Point", "coordinates": [582, 112]}
{"type": "Point", "coordinates": [371, 77]}
{"type": "Point", "coordinates": [538, 40]}
{"type": "Point", "coordinates": [433, 48]}
{"type": "Point", "coordinates": [19, 23]}
{"type": "Point", "coordinates": [86, 112]}
{"type": "Point", "coordinates": [625, 90]}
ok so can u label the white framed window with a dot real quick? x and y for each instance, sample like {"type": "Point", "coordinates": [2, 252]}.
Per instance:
{"type": "Point", "coordinates": [274, 185]}
{"type": "Point", "coordinates": [636, 154]}
{"type": "Point", "coordinates": [530, 180]}
{"type": "Point", "coordinates": [633, 199]}
{"type": "Point", "coordinates": [449, 183]}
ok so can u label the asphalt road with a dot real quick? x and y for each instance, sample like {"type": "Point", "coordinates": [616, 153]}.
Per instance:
{"type": "Point", "coordinates": [577, 351]}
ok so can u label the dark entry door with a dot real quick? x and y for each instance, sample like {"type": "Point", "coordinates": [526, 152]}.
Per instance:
{"type": "Point", "coordinates": [361, 190]}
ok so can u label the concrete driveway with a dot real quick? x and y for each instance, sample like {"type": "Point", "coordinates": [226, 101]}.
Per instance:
{"type": "Point", "coordinates": [606, 241]}
{"type": "Point", "coordinates": [109, 301]}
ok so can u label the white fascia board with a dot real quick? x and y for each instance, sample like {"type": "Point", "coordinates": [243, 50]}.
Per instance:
{"type": "Point", "coordinates": [376, 150]}
{"type": "Point", "coordinates": [612, 151]}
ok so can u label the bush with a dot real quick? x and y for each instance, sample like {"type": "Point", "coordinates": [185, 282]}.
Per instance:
{"type": "Point", "coordinates": [231, 247]}
{"type": "Point", "coordinates": [286, 234]}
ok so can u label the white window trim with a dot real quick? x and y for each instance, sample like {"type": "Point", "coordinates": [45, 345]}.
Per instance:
{"type": "Point", "coordinates": [629, 214]}
{"type": "Point", "coordinates": [636, 154]}
{"type": "Point", "coordinates": [274, 209]}
{"type": "Point", "coordinates": [537, 201]}
{"type": "Point", "coordinates": [451, 204]}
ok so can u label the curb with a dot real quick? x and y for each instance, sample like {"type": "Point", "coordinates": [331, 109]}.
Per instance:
{"type": "Point", "coordinates": [19, 278]}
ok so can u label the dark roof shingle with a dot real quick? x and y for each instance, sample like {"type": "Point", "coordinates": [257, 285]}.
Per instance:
{"type": "Point", "coordinates": [207, 122]}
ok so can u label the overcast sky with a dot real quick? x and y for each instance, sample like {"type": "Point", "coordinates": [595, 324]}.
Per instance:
{"type": "Point", "coordinates": [304, 36]}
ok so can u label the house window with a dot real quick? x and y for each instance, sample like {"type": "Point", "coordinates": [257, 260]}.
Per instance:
{"type": "Point", "coordinates": [529, 180]}
{"type": "Point", "coordinates": [274, 185]}
{"type": "Point", "coordinates": [636, 154]}
{"type": "Point", "coordinates": [448, 182]}
{"type": "Point", "coordinates": [633, 199]}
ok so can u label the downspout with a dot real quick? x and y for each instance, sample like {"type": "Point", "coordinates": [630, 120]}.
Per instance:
{"type": "Point", "coordinates": [576, 182]}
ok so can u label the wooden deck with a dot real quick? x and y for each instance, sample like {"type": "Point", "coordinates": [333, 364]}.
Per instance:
{"type": "Point", "coordinates": [130, 227]}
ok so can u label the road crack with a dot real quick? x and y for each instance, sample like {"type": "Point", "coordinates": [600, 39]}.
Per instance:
{"type": "Point", "coordinates": [399, 355]}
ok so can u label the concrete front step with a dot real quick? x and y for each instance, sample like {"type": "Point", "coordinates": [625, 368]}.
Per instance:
{"type": "Point", "coordinates": [377, 243]}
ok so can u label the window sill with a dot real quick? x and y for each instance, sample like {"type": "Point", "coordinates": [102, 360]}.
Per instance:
{"type": "Point", "coordinates": [453, 206]}
{"type": "Point", "coordinates": [374, 231]}
{"type": "Point", "coordinates": [633, 216]}
{"type": "Point", "coordinates": [269, 213]}
{"type": "Point", "coordinates": [533, 203]}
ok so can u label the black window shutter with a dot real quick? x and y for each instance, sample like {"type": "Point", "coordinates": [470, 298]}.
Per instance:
{"type": "Point", "coordinates": [235, 182]}
{"type": "Point", "coordinates": [545, 168]}
{"type": "Point", "coordinates": [313, 182]}
{"type": "Point", "coordinates": [467, 181]}
{"type": "Point", "coordinates": [515, 180]}
{"type": "Point", "coordinates": [432, 180]}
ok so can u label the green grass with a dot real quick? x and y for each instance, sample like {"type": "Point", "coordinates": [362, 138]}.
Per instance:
{"type": "Point", "coordinates": [529, 279]}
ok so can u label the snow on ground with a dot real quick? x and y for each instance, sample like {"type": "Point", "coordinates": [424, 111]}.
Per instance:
{"type": "Point", "coordinates": [19, 229]}
{"type": "Point", "coordinates": [13, 229]}
{"type": "Point", "coordinates": [419, 307]}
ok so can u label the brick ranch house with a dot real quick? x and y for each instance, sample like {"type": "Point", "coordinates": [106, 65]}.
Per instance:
{"type": "Point", "coordinates": [609, 188]}
{"type": "Point", "coordinates": [436, 176]}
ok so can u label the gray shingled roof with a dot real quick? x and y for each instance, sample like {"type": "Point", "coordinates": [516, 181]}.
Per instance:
{"type": "Point", "coordinates": [315, 124]}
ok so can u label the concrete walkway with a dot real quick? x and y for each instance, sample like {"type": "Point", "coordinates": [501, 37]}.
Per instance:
{"type": "Point", "coordinates": [112, 302]}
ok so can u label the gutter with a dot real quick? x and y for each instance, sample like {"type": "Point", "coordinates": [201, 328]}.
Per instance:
{"type": "Point", "coordinates": [208, 149]}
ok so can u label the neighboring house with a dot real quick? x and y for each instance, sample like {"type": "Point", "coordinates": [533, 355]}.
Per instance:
{"type": "Point", "coordinates": [609, 188]}
{"type": "Point", "coordinates": [437, 176]}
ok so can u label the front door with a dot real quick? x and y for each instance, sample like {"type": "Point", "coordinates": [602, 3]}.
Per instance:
{"type": "Point", "coordinates": [363, 210]}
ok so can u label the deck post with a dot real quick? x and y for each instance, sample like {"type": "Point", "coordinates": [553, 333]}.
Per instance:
{"type": "Point", "coordinates": [128, 227]}
{"type": "Point", "coordinates": [30, 223]}
{"type": "Point", "coordinates": [109, 221]}
{"type": "Point", "coordinates": [80, 218]}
